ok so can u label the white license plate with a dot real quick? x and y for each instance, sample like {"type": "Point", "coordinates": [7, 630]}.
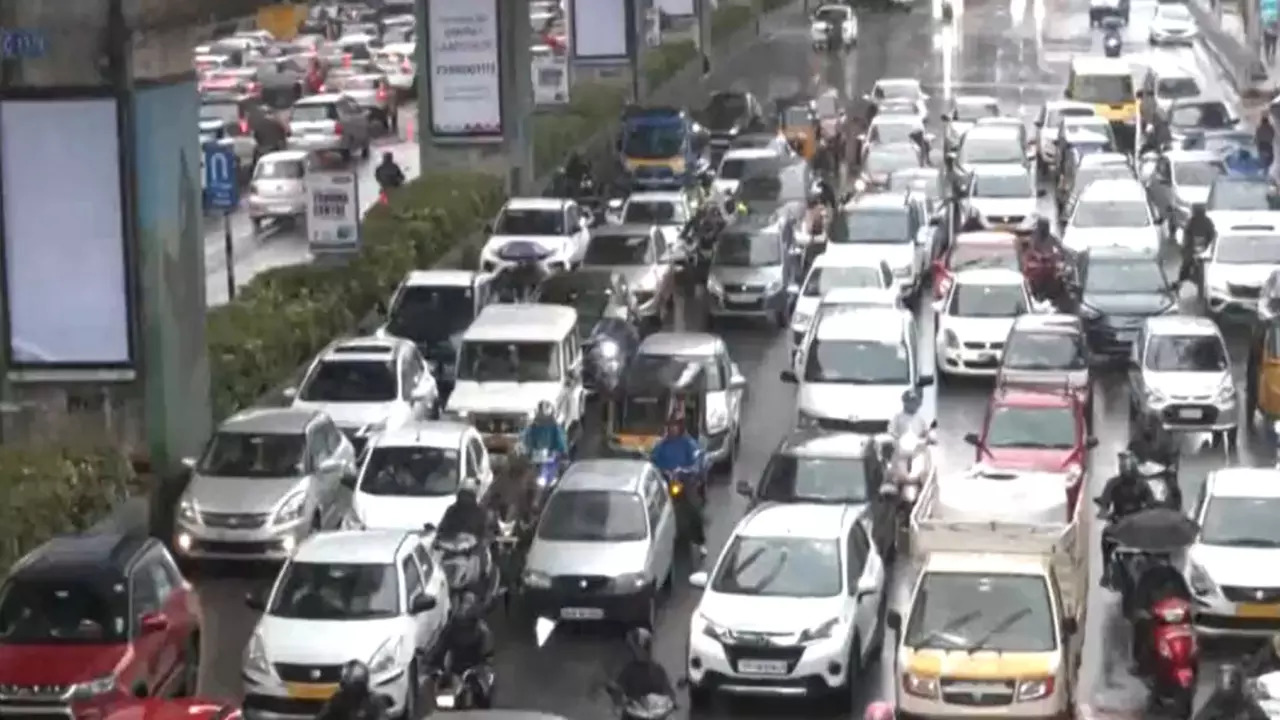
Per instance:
{"type": "Point", "coordinates": [572, 613]}
{"type": "Point", "coordinates": [987, 357]}
{"type": "Point", "coordinates": [762, 667]}
{"type": "Point", "coordinates": [1190, 414]}
{"type": "Point", "coordinates": [282, 209]}
{"type": "Point", "coordinates": [742, 298]}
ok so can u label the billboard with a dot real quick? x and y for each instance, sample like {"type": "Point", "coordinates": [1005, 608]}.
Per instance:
{"type": "Point", "coordinates": [65, 258]}
{"type": "Point", "coordinates": [463, 70]}
{"type": "Point", "coordinates": [600, 29]}
{"type": "Point", "coordinates": [333, 212]}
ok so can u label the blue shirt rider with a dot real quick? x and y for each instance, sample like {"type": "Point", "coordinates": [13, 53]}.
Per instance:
{"type": "Point", "coordinates": [676, 450]}
{"type": "Point", "coordinates": [545, 433]}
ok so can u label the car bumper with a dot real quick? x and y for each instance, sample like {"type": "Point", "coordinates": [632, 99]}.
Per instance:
{"type": "Point", "coordinates": [572, 606]}
{"type": "Point", "coordinates": [1209, 417]}
{"type": "Point", "coordinates": [260, 207]}
{"type": "Point", "coordinates": [1224, 305]}
{"type": "Point", "coordinates": [969, 363]}
{"type": "Point", "coordinates": [1162, 38]}
{"type": "Point", "coordinates": [269, 699]}
{"type": "Point", "coordinates": [912, 708]}
{"type": "Point", "coordinates": [745, 305]}
{"type": "Point", "coordinates": [817, 668]}
{"type": "Point", "coordinates": [198, 542]}
{"type": "Point", "coordinates": [1216, 616]}
{"type": "Point", "coordinates": [317, 143]}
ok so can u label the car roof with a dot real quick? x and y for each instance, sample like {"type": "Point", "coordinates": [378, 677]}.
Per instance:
{"type": "Point", "coordinates": [1078, 121]}
{"type": "Point", "coordinates": [977, 563]}
{"type": "Point", "coordinates": [1001, 131]}
{"type": "Point", "coordinates": [321, 99]}
{"type": "Point", "coordinates": [424, 433]}
{"type": "Point", "coordinates": [1245, 482]}
{"type": "Point", "coordinates": [536, 203]}
{"type": "Point", "coordinates": [894, 199]}
{"type": "Point", "coordinates": [369, 347]}
{"type": "Point", "coordinates": [799, 520]}
{"type": "Point", "coordinates": [607, 474]}
{"type": "Point", "coordinates": [986, 237]}
{"type": "Point", "coordinates": [440, 278]}
{"type": "Point", "coordinates": [1000, 170]}
{"type": "Point", "coordinates": [680, 343]}
{"type": "Point", "coordinates": [1169, 67]}
{"type": "Point", "coordinates": [1103, 159]}
{"type": "Point", "coordinates": [88, 554]}
{"type": "Point", "coordinates": [270, 421]}
{"type": "Point", "coordinates": [750, 153]}
{"type": "Point", "coordinates": [1181, 325]}
{"type": "Point", "coordinates": [1203, 98]}
{"type": "Point", "coordinates": [873, 324]}
{"type": "Point", "coordinates": [661, 195]}
{"type": "Point", "coordinates": [898, 82]}
{"type": "Point", "coordinates": [819, 443]}
{"type": "Point", "coordinates": [625, 230]}
{"type": "Point", "coordinates": [525, 322]}
{"type": "Point", "coordinates": [1122, 189]}
{"type": "Point", "coordinates": [1051, 322]}
{"type": "Point", "coordinates": [988, 276]}
{"type": "Point", "coordinates": [284, 156]}
{"type": "Point", "coordinates": [368, 547]}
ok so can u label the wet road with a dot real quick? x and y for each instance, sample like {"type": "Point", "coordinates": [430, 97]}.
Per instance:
{"type": "Point", "coordinates": [283, 244]}
{"type": "Point", "coordinates": [993, 48]}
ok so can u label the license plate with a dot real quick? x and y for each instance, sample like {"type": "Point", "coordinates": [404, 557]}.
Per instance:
{"type": "Point", "coordinates": [1257, 610]}
{"type": "Point", "coordinates": [571, 613]}
{"type": "Point", "coordinates": [1191, 414]}
{"type": "Point", "coordinates": [739, 298]}
{"type": "Point", "coordinates": [987, 357]}
{"type": "Point", "coordinates": [308, 691]}
{"type": "Point", "coordinates": [762, 667]}
{"type": "Point", "coordinates": [281, 209]}
{"type": "Point", "coordinates": [445, 702]}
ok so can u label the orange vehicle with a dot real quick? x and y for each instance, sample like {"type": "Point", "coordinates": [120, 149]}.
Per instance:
{"type": "Point", "coordinates": [799, 124]}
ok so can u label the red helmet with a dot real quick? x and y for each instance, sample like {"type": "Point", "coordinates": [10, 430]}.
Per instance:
{"type": "Point", "coordinates": [879, 710]}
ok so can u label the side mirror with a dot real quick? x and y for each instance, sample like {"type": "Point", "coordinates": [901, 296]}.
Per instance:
{"type": "Point", "coordinates": [153, 623]}
{"type": "Point", "coordinates": [972, 439]}
{"type": "Point", "coordinates": [699, 579]}
{"type": "Point", "coordinates": [255, 601]}
{"type": "Point", "coordinates": [189, 463]}
{"type": "Point", "coordinates": [788, 376]}
{"type": "Point", "coordinates": [743, 488]}
{"type": "Point", "coordinates": [1091, 443]}
{"type": "Point", "coordinates": [737, 382]}
{"type": "Point", "coordinates": [924, 381]}
{"type": "Point", "coordinates": [289, 393]}
{"type": "Point", "coordinates": [428, 528]}
{"type": "Point", "coordinates": [893, 620]}
{"type": "Point", "coordinates": [421, 604]}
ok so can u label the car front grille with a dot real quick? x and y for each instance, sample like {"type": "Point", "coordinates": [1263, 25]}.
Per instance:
{"type": "Point", "coordinates": [1251, 594]}
{"type": "Point", "coordinates": [580, 584]}
{"type": "Point", "coordinates": [860, 427]}
{"type": "Point", "coordinates": [1005, 219]}
{"type": "Point", "coordinates": [746, 289]}
{"type": "Point", "coordinates": [749, 647]}
{"type": "Point", "coordinates": [234, 521]}
{"type": "Point", "coordinates": [983, 346]}
{"type": "Point", "coordinates": [1244, 292]}
{"type": "Point", "coordinates": [498, 423]}
{"type": "Point", "coordinates": [322, 674]}
{"type": "Point", "coordinates": [978, 693]}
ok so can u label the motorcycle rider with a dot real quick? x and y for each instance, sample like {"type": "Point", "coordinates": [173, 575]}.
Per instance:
{"type": "Point", "coordinates": [642, 675]}
{"type": "Point", "coordinates": [389, 175]}
{"type": "Point", "coordinates": [678, 451]}
{"type": "Point", "coordinates": [353, 700]}
{"type": "Point", "coordinates": [544, 434]}
{"type": "Point", "coordinates": [516, 282]}
{"type": "Point", "coordinates": [908, 419]}
{"type": "Point", "coordinates": [1265, 138]}
{"type": "Point", "coordinates": [469, 646]}
{"type": "Point", "coordinates": [577, 170]}
{"type": "Point", "coordinates": [467, 517]}
{"type": "Point", "coordinates": [1197, 235]}
{"type": "Point", "coordinates": [1229, 700]}
{"type": "Point", "coordinates": [1124, 494]}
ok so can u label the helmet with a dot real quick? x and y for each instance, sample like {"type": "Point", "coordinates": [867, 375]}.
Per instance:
{"type": "Point", "coordinates": [546, 412]}
{"type": "Point", "coordinates": [466, 492]}
{"type": "Point", "coordinates": [1127, 463]}
{"type": "Point", "coordinates": [1043, 229]}
{"type": "Point", "coordinates": [1198, 209]}
{"type": "Point", "coordinates": [1230, 679]}
{"type": "Point", "coordinates": [910, 401]}
{"type": "Point", "coordinates": [640, 643]}
{"type": "Point", "coordinates": [879, 710]}
{"type": "Point", "coordinates": [355, 678]}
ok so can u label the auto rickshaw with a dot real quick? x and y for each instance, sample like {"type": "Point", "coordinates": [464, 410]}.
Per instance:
{"type": "Point", "coordinates": [1262, 377]}
{"type": "Point", "coordinates": [652, 392]}
{"type": "Point", "coordinates": [799, 123]}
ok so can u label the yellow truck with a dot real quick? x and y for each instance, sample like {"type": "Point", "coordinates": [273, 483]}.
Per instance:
{"type": "Point", "coordinates": [995, 622]}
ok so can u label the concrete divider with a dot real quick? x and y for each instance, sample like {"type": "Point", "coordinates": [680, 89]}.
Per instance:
{"type": "Point", "coordinates": [1240, 64]}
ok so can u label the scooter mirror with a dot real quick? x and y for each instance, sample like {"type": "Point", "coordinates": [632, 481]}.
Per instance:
{"type": "Point", "coordinates": [542, 629]}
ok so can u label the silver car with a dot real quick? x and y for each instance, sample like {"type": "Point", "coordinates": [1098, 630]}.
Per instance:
{"type": "Point", "coordinates": [372, 92]}
{"type": "Point", "coordinates": [751, 269]}
{"type": "Point", "coordinates": [329, 123]}
{"type": "Point", "coordinates": [605, 544]}
{"type": "Point", "coordinates": [279, 187]}
{"type": "Point", "coordinates": [1180, 378]}
{"type": "Point", "coordinates": [268, 478]}
{"type": "Point", "coordinates": [641, 253]}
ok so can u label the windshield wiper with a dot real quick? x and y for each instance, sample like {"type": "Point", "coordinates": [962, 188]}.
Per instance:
{"type": "Point", "coordinates": [955, 623]}
{"type": "Point", "coordinates": [998, 628]}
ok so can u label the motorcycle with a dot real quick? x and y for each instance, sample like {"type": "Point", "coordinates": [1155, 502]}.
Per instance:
{"type": "Point", "coordinates": [467, 566]}
{"type": "Point", "coordinates": [1172, 681]}
{"type": "Point", "coordinates": [1112, 46]}
{"type": "Point", "coordinates": [689, 496]}
{"type": "Point", "coordinates": [462, 691]}
{"type": "Point", "coordinates": [654, 706]}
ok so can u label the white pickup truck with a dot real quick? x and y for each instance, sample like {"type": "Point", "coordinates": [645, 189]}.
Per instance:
{"type": "Point", "coordinates": [997, 610]}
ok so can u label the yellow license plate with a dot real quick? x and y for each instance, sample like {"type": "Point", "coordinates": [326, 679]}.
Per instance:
{"type": "Point", "coordinates": [308, 691]}
{"type": "Point", "coordinates": [1257, 610]}
{"type": "Point", "coordinates": [636, 442]}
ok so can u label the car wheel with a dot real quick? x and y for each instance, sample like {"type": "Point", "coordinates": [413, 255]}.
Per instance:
{"type": "Point", "coordinates": [412, 693]}
{"type": "Point", "coordinates": [190, 684]}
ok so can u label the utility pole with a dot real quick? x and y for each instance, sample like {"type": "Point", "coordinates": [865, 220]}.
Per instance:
{"type": "Point", "coordinates": [703, 37]}
{"type": "Point", "coordinates": [517, 93]}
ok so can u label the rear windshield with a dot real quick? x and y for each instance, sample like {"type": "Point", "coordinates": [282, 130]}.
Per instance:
{"type": "Point", "coordinates": [73, 611]}
{"type": "Point", "coordinates": [279, 170]}
{"type": "Point", "coordinates": [314, 113]}
{"type": "Point", "coordinates": [1108, 89]}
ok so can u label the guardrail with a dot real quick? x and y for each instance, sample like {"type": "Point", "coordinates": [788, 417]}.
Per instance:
{"type": "Point", "coordinates": [1241, 65]}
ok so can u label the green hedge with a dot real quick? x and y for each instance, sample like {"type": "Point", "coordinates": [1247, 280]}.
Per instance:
{"type": "Point", "coordinates": [57, 488]}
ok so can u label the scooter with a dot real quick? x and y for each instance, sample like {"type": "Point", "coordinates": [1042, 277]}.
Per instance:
{"type": "Point", "coordinates": [1176, 659]}
{"type": "Point", "coordinates": [689, 497]}
{"type": "Point", "coordinates": [650, 707]}
{"type": "Point", "coordinates": [466, 691]}
{"type": "Point", "coordinates": [463, 561]}
{"type": "Point", "coordinates": [1163, 481]}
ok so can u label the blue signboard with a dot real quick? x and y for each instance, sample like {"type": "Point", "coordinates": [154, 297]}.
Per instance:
{"type": "Point", "coordinates": [17, 43]}
{"type": "Point", "coordinates": [221, 180]}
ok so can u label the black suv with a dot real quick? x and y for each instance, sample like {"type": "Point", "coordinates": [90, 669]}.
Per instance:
{"type": "Point", "coordinates": [1120, 289]}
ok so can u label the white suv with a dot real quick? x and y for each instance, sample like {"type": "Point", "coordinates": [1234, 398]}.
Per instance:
{"type": "Point", "coordinates": [796, 602]}
{"type": "Point", "coordinates": [554, 230]}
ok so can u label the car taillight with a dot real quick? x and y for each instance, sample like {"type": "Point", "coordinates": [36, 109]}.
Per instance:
{"type": "Point", "coordinates": [406, 67]}
{"type": "Point", "coordinates": [382, 94]}
{"type": "Point", "coordinates": [346, 60]}
{"type": "Point", "coordinates": [244, 126]}
{"type": "Point", "coordinates": [337, 128]}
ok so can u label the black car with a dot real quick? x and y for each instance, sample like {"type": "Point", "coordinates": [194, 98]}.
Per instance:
{"type": "Point", "coordinates": [1119, 290]}
{"type": "Point", "coordinates": [608, 326]}
{"type": "Point", "coordinates": [728, 114]}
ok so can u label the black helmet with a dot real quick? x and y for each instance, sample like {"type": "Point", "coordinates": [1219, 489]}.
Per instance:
{"type": "Point", "coordinates": [1230, 679]}
{"type": "Point", "coordinates": [387, 157]}
{"type": "Point", "coordinates": [640, 642]}
{"type": "Point", "coordinates": [466, 495]}
{"type": "Point", "coordinates": [910, 400]}
{"type": "Point", "coordinates": [1043, 229]}
{"type": "Point", "coordinates": [1198, 209]}
{"type": "Point", "coordinates": [468, 605]}
{"type": "Point", "coordinates": [355, 678]}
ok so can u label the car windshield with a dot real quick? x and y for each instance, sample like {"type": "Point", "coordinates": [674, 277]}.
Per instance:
{"type": "Point", "coordinates": [528, 221]}
{"type": "Point", "coordinates": [1205, 116]}
{"type": "Point", "coordinates": [593, 516]}
{"type": "Point", "coordinates": [892, 131]}
{"type": "Point", "coordinates": [1186, 353]}
{"type": "Point", "coordinates": [1003, 186]}
{"type": "Point", "coordinates": [279, 170]}
{"type": "Point", "coordinates": [1242, 195]}
{"type": "Point", "coordinates": [336, 591]}
{"type": "Point", "coordinates": [1241, 522]}
{"type": "Point", "coordinates": [791, 478]}
{"type": "Point", "coordinates": [857, 362]}
{"type": "Point", "coordinates": [831, 14]}
{"type": "Point", "coordinates": [1095, 213]}
{"type": "Point", "coordinates": [1000, 149]}
{"type": "Point", "coordinates": [1177, 13]}
{"type": "Point", "coordinates": [863, 225]}
{"type": "Point", "coordinates": [1086, 176]}
{"type": "Point", "coordinates": [1177, 87]}
{"type": "Point", "coordinates": [824, 279]}
{"type": "Point", "coordinates": [738, 168]}
{"type": "Point", "coordinates": [780, 567]}
{"type": "Point", "coordinates": [725, 109]}
{"type": "Point", "coordinates": [1197, 173]}
{"type": "Point", "coordinates": [897, 91]}
{"type": "Point", "coordinates": [71, 612]}
{"type": "Point", "coordinates": [654, 141]}
{"type": "Point", "coordinates": [747, 250]}
{"type": "Point", "coordinates": [654, 212]}
{"type": "Point", "coordinates": [225, 112]}
{"type": "Point", "coordinates": [510, 362]}
{"type": "Point", "coordinates": [1103, 89]}
{"type": "Point", "coordinates": [962, 611]}
{"type": "Point", "coordinates": [887, 159]}
{"type": "Point", "coordinates": [976, 110]}
{"type": "Point", "coordinates": [312, 113]}
{"type": "Point", "coordinates": [410, 472]}
{"type": "Point", "coordinates": [363, 381]}
{"type": "Point", "coordinates": [431, 314]}
{"type": "Point", "coordinates": [253, 455]}
{"type": "Point", "coordinates": [1044, 351]}
{"type": "Point", "coordinates": [1123, 277]}
{"type": "Point", "coordinates": [1049, 428]}
{"type": "Point", "coordinates": [619, 250]}
{"type": "Point", "coordinates": [978, 300]}
{"type": "Point", "coordinates": [1247, 249]}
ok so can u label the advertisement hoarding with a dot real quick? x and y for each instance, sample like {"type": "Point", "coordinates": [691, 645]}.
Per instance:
{"type": "Point", "coordinates": [333, 212]}
{"type": "Point", "coordinates": [600, 30]}
{"type": "Point", "coordinates": [463, 70]}
{"type": "Point", "coordinates": [550, 79]}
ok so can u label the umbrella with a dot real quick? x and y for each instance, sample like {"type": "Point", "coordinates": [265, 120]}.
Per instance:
{"type": "Point", "coordinates": [1156, 529]}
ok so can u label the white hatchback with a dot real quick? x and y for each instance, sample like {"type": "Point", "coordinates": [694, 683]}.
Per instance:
{"type": "Point", "coordinates": [1113, 212]}
{"type": "Point", "coordinates": [975, 318]}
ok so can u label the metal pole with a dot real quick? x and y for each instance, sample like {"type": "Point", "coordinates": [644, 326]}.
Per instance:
{"type": "Point", "coordinates": [703, 41]}
{"type": "Point", "coordinates": [231, 265]}
{"type": "Point", "coordinates": [517, 92]}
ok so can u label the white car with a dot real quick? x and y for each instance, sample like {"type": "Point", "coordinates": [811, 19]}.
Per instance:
{"type": "Point", "coordinates": [1005, 196]}
{"type": "Point", "coordinates": [410, 476]}
{"type": "Point", "coordinates": [890, 226]}
{"type": "Point", "coordinates": [903, 95]}
{"type": "Point", "coordinates": [376, 596]}
{"type": "Point", "coordinates": [1234, 565]}
{"type": "Point", "coordinates": [795, 604]}
{"type": "Point", "coordinates": [975, 318]}
{"type": "Point", "coordinates": [368, 385]}
{"type": "Point", "coordinates": [1237, 264]}
{"type": "Point", "coordinates": [738, 163]}
{"type": "Point", "coordinates": [668, 209]}
{"type": "Point", "coordinates": [1112, 213]}
{"type": "Point", "coordinates": [838, 15]}
{"type": "Point", "coordinates": [1046, 124]}
{"type": "Point", "coordinates": [836, 269]}
{"type": "Point", "coordinates": [1172, 25]}
{"type": "Point", "coordinates": [555, 230]}
{"type": "Point", "coordinates": [396, 60]}
{"type": "Point", "coordinates": [279, 187]}
{"type": "Point", "coordinates": [891, 129]}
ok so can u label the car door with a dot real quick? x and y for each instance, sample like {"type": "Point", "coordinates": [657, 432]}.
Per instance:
{"type": "Point", "coordinates": [662, 525]}
{"type": "Point", "coordinates": [735, 385]}
{"type": "Point", "coordinates": [437, 586]}
{"type": "Point", "coordinates": [322, 482]}
{"type": "Point", "coordinates": [156, 653]}
{"type": "Point", "coordinates": [415, 586]}
{"type": "Point", "coordinates": [479, 456]}
{"type": "Point", "coordinates": [864, 565]}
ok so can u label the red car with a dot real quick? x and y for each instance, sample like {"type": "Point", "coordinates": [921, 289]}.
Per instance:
{"type": "Point", "coordinates": [91, 622]}
{"type": "Point", "coordinates": [171, 709]}
{"type": "Point", "coordinates": [1036, 429]}
{"type": "Point", "coordinates": [984, 248]}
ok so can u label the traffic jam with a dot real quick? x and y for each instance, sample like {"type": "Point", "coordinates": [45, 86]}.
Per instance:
{"type": "Point", "coordinates": [927, 369]}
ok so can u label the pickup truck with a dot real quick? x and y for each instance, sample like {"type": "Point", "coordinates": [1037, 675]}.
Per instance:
{"type": "Point", "coordinates": [997, 610]}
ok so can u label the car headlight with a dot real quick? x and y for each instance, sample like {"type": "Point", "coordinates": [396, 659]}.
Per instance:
{"type": "Point", "coordinates": [800, 321]}
{"type": "Point", "coordinates": [714, 286]}
{"type": "Point", "coordinates": [773, 287]}
{"type": "Point", "coordinates": [628, 582]}
{"type": "Point", "coordinates": [821, 631]}
{"type": "Point", "coordinates": [806, 420]}
{"type": "Point", "coordinates": [387, 657]}
{"type": "Point", "coordinates": [187, 510]}
{"type": "Point", "coordinates": [924, 686]}
{"type": "Point", "coordinates": [93, 688]}
{"type": "Point", "coordinates": [1034, 688]}
{"type": "Point", "coordinates": [1199, 580]}
{"type": "Point", "coordinates": [536, 579]}
{"type": "Point", "coordinates": [717, 420]}
{"type": "Point", "coordinates": [859, 185]}
{"type": "Point", "coordinates": [714, 631]}
{"type": "Point", "coordinates": [291, 509]}
{"type": "Point", "coordinates": [949, 339]}
{"type": "Point", "coordinates": [255, 657]}
{"type": "Point", "coordinates": [1153, 396]}
{"type": "Point", "coordinates": [1227, 392]}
